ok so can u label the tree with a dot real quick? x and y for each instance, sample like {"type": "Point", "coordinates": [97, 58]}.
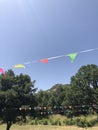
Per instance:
{"type": "Point", "coordinates": [15, 91]}
{"type": "Point", "coordinates": [59, 92]}
{"type": "Point", "coordinates": [84, 87]}
{"type": "Point", "coordinates": [55, 95]}
{"type": "Point", "coordinates": [42, 98]}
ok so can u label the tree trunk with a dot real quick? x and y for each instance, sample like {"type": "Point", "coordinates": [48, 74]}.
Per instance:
{"type": "Point", "coordinates": [8, 125]}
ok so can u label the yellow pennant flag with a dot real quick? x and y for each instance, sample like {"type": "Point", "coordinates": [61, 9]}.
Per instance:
{"type": "Point", "coordinates": [19, 66]}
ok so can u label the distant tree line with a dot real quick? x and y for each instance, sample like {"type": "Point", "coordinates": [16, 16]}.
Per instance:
{"type": "Point", "coordinates": [18, 96]}
{"type": "Point", "coordinates": [80, 96]}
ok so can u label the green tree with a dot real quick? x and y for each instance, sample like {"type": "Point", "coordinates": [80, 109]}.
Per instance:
{"type": "Point", "coordinates": [53, 97]}
{"type": "Point", "coordinates": [84, 87]}
{"type": "Point", "coordinates": [42, 98]}
{"type": "Point", "coordinates": [15, 91]}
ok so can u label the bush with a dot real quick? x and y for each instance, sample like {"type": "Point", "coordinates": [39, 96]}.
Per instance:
{"type": "Point", "coordinates": [32, 122]}
{"type": "Point", "coordinates": [36, 121]}
{"type": "Point", "coordinates": [68, 121]}
{"type": "Point", "coordinates": [60, 123]}
{"type": "Point", "coordinates": [56, 122]}
{"type": "Point", "coordinates": [53, 122]}
{"type": "Point", "coordinates": [86, 123]}
{"type": "Point", "coordinates": [45, 122]}
{"type": "Point", "coordinates": [82, 123]}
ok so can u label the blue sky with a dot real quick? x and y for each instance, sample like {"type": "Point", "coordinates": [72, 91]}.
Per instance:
{"type": "Point", "coordinates": [35, 29]}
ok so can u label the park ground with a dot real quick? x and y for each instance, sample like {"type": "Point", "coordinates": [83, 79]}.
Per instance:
{"type": "Point", "coordinates": [43, 127]}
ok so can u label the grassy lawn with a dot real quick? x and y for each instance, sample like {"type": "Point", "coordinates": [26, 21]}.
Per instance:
{"type": "Point", "coordinates": [40, 127]}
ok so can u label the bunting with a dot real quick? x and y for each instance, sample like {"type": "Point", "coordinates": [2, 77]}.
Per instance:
{"type": "Point", "coordinates": [2, 71]}
{"type": "Point", "coordinates": [44, 60]}
{"type": "Point", "coordinates": [43, 110]}
{"type": "Point", "coordinates": [72, 57]}
{"type": "Point", "coordinates": [19, 66]}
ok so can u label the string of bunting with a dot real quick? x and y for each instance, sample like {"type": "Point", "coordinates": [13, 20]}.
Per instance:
{"type": "Point", "coordinates": [72, 57]}
{"type": "Point", "coordinates": [54, 109]}
{"type": "Point", "coordinates": [41, 108]}
{"type": "Point", "coordinates": [58, 107]}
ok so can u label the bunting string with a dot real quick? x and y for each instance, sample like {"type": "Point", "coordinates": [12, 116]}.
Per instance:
{"type": "Point", "coordinates": [72, 57]}
{"type": "Point", "coordinates": [47, 110]}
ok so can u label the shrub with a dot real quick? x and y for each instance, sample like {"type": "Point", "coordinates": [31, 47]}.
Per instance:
{"type": "Point", "coordinates": [68, 122]}
{"type": "Point", "coordinates": [36, 121]}
{"type": "Point", "coordinates": [82, 123]}
{"type": "Point", "coordinates": [32, 122]}
{"type": "Point", "coordinates": [60, 123]}
{"type": "Point", "coordinates": [86, 123]}
{"type": "Point", "coordinates": [45, 122]}
{"type": "Point", "coordinates": [52, 122]}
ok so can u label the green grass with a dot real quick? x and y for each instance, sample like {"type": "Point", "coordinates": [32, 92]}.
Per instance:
{"type": "Point", "coordinates": [41, 127]}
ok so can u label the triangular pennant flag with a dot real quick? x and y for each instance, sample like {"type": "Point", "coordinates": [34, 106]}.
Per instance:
{"type": "Point", "coordinates": [2, 71]}
{"type": "Point", "coordinates": [44, 60]}
{"type": "Point", "coordinates": [19, 66]}
{"type": "Point", "coordinates": [72, 56]}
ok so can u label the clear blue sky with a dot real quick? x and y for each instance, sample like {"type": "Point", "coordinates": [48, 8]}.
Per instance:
{"type": "Point", "coordinates": [35, 29]}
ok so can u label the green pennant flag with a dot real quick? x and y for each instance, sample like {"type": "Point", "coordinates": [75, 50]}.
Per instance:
{"type": "Point", "coordinates": [72, 56]}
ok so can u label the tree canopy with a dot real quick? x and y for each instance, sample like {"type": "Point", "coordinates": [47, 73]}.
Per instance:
{"type": "Point", "coordinates": [15, 91]}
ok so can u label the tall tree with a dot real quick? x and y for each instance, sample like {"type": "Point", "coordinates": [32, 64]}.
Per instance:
{"type": "Point", "coordinates": [15, 91]}
{"type": "Point", "coordinates": [84, 86]}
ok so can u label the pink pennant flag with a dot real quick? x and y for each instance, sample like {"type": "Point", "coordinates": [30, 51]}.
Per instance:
{"type": "Point", "coordinates": [44, 60]}
{"type": "Point", "coordinates": [2, 71]}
